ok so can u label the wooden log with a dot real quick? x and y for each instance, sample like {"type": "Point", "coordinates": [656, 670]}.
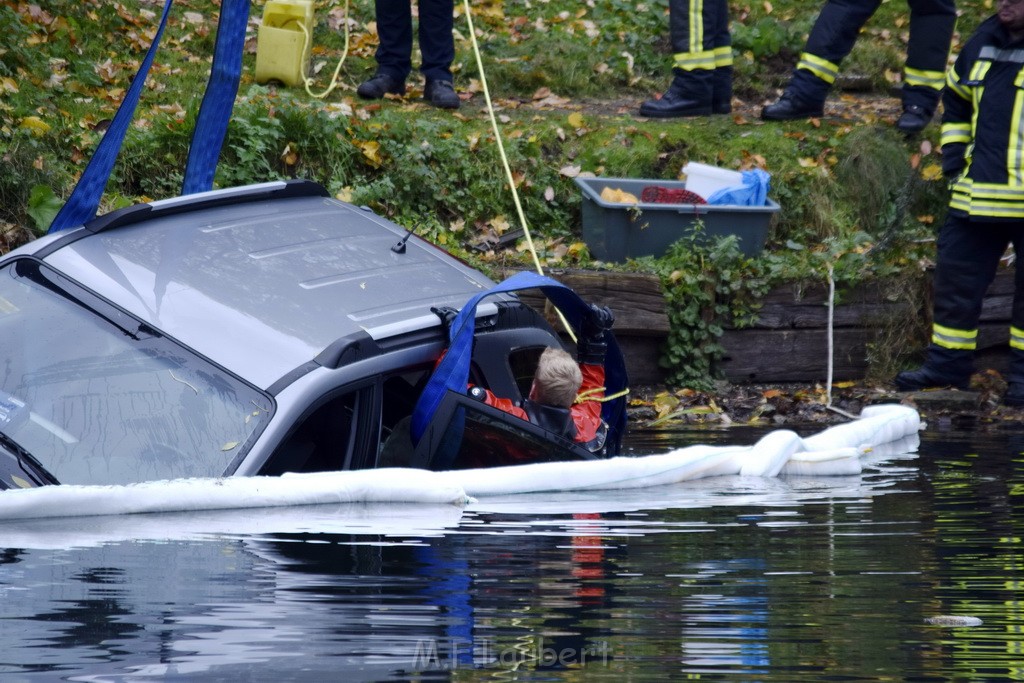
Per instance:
{"type": "Point", "coordinates": [759, 355]}
{"type": "Point", "coordinates": [782, 316]}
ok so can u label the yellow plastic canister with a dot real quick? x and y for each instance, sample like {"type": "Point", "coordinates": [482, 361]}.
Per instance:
{"type": "Point", "coordinates": [282, 47]}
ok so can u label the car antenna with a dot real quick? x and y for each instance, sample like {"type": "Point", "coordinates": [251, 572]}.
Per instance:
{"type": "Point", "coordinates": [399, 247]}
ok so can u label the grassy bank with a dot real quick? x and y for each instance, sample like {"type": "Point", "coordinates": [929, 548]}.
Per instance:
{"type": "Point", "coordinates": [566, 77]}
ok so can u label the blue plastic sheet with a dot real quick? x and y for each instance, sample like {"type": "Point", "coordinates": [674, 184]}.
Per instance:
{"type": "Point", "coordinates": [753, 191]}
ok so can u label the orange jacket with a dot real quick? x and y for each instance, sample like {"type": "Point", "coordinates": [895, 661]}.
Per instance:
{"type": "Point", "coordinates": [586, 415]}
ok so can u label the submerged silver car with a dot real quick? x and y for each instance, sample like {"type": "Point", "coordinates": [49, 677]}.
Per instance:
{"type": "Point", "coordinates": [256, 330]}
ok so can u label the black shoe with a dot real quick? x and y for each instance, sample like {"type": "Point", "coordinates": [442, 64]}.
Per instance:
{"type": "Point", "coordinates": [789, 108]}
{"type": "Point", "coordinates": [913, 119]}
{"type": "Point", "coordinates": [924, 378]}
{"type": "Point", "coordinates": [441, 94]}
{"type": "Point", "coordinates": [380, 85]}
{"type": "Point", "coordinates": [675, 103]}
{"type": "Point", "coordinates": [1014, 396]}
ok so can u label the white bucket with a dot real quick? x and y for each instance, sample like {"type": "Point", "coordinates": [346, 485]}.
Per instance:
{"type": "Point", "coordinates": [706, 180]}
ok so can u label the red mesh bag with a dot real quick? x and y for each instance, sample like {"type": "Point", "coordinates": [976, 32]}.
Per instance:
{"type": "Point", "coordinates": [656, 194]}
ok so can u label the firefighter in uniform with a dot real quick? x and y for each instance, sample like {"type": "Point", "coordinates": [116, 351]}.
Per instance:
{"type": "Point", "coordinates": [702, 61]}
{"type": "Point", "coordinates": [982, 149]}
{"type": "Point", "coordinates": [835, 31]}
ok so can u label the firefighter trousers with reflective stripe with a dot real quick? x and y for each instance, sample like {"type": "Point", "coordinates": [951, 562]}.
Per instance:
{"type": "Point", "coordinates": [968, 255]}
{"type": "Point", "coordinates": [835, 31]}
{"type": "Point", "coordinates": [699, 30]}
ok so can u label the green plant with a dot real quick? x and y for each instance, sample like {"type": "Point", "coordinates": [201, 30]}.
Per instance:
{"type": "Point", "coordinates": [769, 36]}
{"type": "Point", "coordinates": [707, 282]}
{"type": "Point", "coordinates": [43, 206]}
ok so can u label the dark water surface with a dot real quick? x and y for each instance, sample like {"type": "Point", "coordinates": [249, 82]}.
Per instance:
{"type": "Point", "coordinates": [741, 579]}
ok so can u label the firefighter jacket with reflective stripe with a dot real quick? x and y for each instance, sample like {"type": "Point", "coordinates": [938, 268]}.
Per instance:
{"type": "Point", "coordinates": [983, 126]}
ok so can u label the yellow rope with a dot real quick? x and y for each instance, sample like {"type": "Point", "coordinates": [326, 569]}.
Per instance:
{"type": "Point", "coordinates": [504, 157]}
{"type": "Point", "coordinates": [588, 395]}
{"type": "Point", "coordinates": [308, 82]}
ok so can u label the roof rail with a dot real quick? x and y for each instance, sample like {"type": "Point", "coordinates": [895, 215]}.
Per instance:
{"type": "Point", "coordinates": [278, 189]}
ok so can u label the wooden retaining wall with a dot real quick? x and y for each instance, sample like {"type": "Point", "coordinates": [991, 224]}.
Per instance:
{"type": "Point", "coordinates": [789, 343]}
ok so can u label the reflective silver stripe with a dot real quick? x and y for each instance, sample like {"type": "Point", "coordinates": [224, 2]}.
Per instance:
{"type": "Point", "coordinates": [954, 339]}
{"type": "Point", "coordinates": [997, 55]}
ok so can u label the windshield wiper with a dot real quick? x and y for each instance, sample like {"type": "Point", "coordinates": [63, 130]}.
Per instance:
{"type": "Point", "coordinates": [29, 465]}
{"type": "Point", "coordinates": [123, 322]}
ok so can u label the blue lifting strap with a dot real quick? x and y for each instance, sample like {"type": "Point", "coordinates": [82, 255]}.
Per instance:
{"type": "Point", "coordinates": [85, 198]}
{"type": "Point", "coordinates": [452, 372]}
{"type": "Point", "coordinates": [219, 99]}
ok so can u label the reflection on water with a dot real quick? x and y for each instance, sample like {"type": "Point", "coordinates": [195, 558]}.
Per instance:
{"type": "Point", "coordinates": [742, 578]}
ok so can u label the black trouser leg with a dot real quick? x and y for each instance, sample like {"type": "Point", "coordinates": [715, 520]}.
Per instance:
{"type": "Point", "coordinates": [394, 29]}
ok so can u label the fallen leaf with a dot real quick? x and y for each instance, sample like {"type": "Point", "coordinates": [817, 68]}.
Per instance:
{"type": "Point", "coordinates": [499, 224]}
{"type": "Point", "coordinates": [576, 119]}
{"type": "Point", "coordinates": [570, 171]}
{"type": "Point", "coordinates": [34, 124]}
{"type": "Point", "coordinates": [289, 157]}
{"type": "Point", "coordinates": [371, 152]}
{"type": "Point", "coordinates": [932, 172]}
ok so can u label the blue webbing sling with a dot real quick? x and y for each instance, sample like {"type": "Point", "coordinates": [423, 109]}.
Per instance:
{"type": "Point", "coordinates": [211, 123]}
{"type": "Point", "coordinates": [85, 198]}
{"type": "Point", "coordinates": [452, 372]}
{"type": "Point", "coordinates": [219, 100]}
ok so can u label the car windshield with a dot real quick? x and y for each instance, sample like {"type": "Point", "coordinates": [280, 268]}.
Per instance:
{"type": "Point", "coordinates": [96, 397]}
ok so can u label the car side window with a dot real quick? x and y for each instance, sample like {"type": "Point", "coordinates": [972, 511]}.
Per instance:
{"type": "Point", "coordinates": [326, 440]}
{"type": "Point", "coordinates": [399, 394]}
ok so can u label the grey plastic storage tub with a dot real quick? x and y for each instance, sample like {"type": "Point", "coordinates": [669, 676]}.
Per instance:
{"type": "Point", "coordinates": [616, 232]}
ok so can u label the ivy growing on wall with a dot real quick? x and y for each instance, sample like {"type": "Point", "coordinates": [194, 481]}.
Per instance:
{"type": "Point", "coordinates": [707, 282]}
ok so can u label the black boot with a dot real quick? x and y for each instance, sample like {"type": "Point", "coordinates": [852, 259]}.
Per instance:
{"type": "Point", "coordinates": [1014, 395]}
{"type": "Point", "coordinates": [721, 90]}
{"type": "Point", "coordinates": [913, 119]}
{"type": "Point", "coordinates": [919, 104]}
{"type": "Point", "coordinates": [441, 94]}
{"type": "Point", "coordinates": [943, 368]}
{"type": "Point", "coordinates": [791, 108]}
{"type": "Point", "coordinates": [381, 84]}
{"type": "Point", "coordinates": [688, 95]}
{"type": "Point", "coordinates": [803, 98]}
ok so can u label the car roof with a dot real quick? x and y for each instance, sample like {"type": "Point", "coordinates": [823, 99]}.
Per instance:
{"type": "Point", "coordinates": [262, 286]}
